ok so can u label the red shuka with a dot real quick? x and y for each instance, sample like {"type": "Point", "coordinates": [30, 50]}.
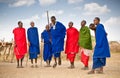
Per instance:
{"type": "Point", "coordinates": [72, 42]}
{"type": "Point", "coordinates": [20, 40]}
{"type": "Point", "coordinates": [84, 58]}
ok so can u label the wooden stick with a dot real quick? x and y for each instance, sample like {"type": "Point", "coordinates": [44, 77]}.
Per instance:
{"type": "Point", "coordinates": [48, 17]}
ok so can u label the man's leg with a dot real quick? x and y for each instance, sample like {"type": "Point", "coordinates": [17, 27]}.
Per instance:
{"type": "Point", "coordinates": [32, 63]}
{"type": "Point", "coordinates": [56, 55]}
{"type": "Point", "coordinates": [85, 58]}
{"type": "Point", "coordinates": [92, 71]}
{"type": "Point", "coordinates": [17, 63]}
{"type": "Point", "coordinates": [103, 63]}
{"type": "Point", "coordinates": [72, 65]}
{"type": "Point", "coordinates": [22, 62]}
{"type": "Point", "coordinates": [100, 70]}
{"type": "Point", "coordinates": [85, 67]}
{"type": "Point", "coordinates": [93, 67]}
{"type": "Point", "coordinates": [71, 57]}
{"type": "Point", "coordinates": [36, 62]}
{"type": "Point", "coordinates": [55, 64]}
{"type": "Point", "coordinates": [59, 60]}
{"type": "Point", "coordinates": [48, 63]}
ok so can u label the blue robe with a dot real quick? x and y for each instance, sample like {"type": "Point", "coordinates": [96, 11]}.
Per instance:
{"type": "Point", "coordinates": [102, 49]}
{"type": "Point", "coordinates": [33, 38]}
{"type": "Point", "coordinates": [47, 53]}
{"type": "Point", "coordinates": [58, 34]}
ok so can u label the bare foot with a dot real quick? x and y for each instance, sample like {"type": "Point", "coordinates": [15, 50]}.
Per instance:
{"type": "Point", "coordinates": [17, 67]}
{"type": "Point", "coordinates": [36, 66]}
{"type": "Point", "coordinates": [71, 67]}
{"type": "Point", "coordinates": [21, 67]}
{"type": "Point", "coordinates": [99, 72]}
{"type": "Point", "coordinates": [48, 66]}
{"type": "Point", "coordinates": [91, 72]}
{"type": "Point", "coordinates": [85, 68]}
{"type": "Point", "coordinates": [59, 63]}
{"type": "Point", "coordinates": [54, 65]}
{"type": "Point", "coordinates": [32, 66]}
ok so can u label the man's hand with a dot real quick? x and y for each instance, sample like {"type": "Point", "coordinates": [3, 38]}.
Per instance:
{"type": "Point", "coordinates": [14, 44]}
{"type": "Point", "coordinates": [28, 43]}
{"type": "Point", "coordinates": [51, 25]}
{"type": "Point", "coordinates": [41, 40]}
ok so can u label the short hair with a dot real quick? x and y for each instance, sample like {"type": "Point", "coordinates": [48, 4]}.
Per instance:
{"type": "Point", "coordinates": [47, 25]}
{"type": "Point", "coordinates": [53, 17]}
{"type": "Point", "coordinates": [31, 22]}
{"type": "Point", "coordinates": [97, 18]}
{"type": "Point", "coordinates": [84, 21]}
{"type": "Point", "coordinates": [92, 24]}
{"type": "Point", "coordinates": [19, 22]}
{"type": "Point", "coordinates": [71, 22]}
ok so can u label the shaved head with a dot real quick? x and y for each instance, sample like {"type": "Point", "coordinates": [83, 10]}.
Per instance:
{"type": "Point", "coordinates": [70, 24]}
{"type": "Point", "coordinates": [32, 24]}
{"type": "Point", "coordinates": [20, 24]}
{"type": "Point", "coordinates": [96, 20]}
{"type": "Point", "coordinates": [47, 27]}
{"type": "Point", "coordinates": [83, 23]}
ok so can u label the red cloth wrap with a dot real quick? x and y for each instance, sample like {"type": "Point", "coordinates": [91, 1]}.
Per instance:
{"type": "Point", "coordinates": [20, 40]}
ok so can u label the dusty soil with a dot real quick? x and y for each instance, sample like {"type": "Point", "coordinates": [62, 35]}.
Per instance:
{"type": "Point", "coordinates": [9, 70]}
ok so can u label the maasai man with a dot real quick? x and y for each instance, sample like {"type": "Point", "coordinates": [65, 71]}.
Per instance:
{"type": "Point", "coordinates": [33, 43]}
{"type": "Point", "coordinates": [92, 27]}
{"type": "Point", "coordinates": [72, 46]}
{"type": "Point", "coordinates": [46, 38]}
{"type": "Point", "coordinates": [58, 31]}
{"type": "Point", "coordinates": [20, 44]}
{"type": "Point", "coordinates": [85, 44]}
{"type": "Point", "coordinates": [101, 50]}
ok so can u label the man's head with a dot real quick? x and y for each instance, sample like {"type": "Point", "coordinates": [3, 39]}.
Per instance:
{"type": "Point", "coordinates": [83, 23]}
{"type": "Point", "coordinates": [53, 19]}
{"type": "Point", "coordinates": [92, 26]}
{"type": "Point", "coordinates": [20, 24]}
{"type": "Point", "coordinates": [96, 20]}
{"type": "Point", "coordinates": [70, 24]}
{"type": "Point", "coordinates": [32, 24]}
{"type": "Point", "coordinates": [47, 27]}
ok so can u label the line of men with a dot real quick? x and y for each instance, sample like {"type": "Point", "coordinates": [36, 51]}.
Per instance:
{"type": "Point", "coordinates": [53, 38]}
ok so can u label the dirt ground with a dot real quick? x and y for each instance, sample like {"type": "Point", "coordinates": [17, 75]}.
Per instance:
{"type": "Point", "coordinates": [9, 70]}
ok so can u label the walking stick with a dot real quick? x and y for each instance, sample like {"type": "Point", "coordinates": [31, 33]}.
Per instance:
{"type": "Point", "coordinates": [48, 18]}
{"type": "Point", "coordinates": [42, 43]}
